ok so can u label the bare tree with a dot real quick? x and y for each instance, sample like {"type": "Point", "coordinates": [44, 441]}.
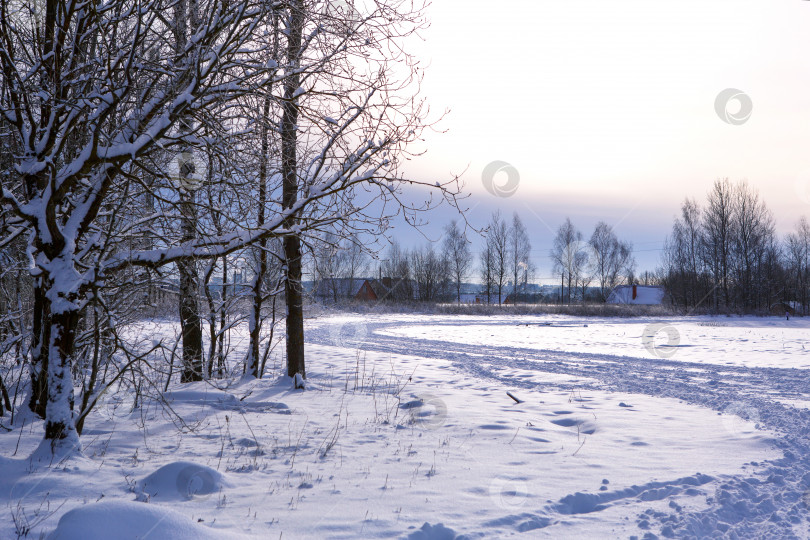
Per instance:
{"type": "Point", "coordinates": [498, 246]}
{"type": "Point", "coordinates": [338, 264]}
{"type": "Point", "coordinates": [258, 295]}
{"type": "Point", "coordinates": [610, 258]}
{"type": "Point", "coordinates": [753, 235]}
{"type": "Point", "coordinates": [691, 243]}
{"type": "Point", "coordinates": [567, 256]}
{"type": "Point", "coordinates": [356, 261]}
{"type": "Point", "coordinates": [519, 250]}
{"type": "Point", "coordinates": [430, 271]}
{"type": "Point", "coordinates": [730, 253]}
{"type": "Point", "coordinates": [294, 294]}
{"type": "Point", "coordinates": [330, 260]}
{"type": "Point", "coordinates": [458, 255]}
{"type": "Point", "coordinates": [397, 274]}
{"type": "Point", "coordinates": [487, 268]}
{"type": "Point", "coordinates": [718, 226]}
{"type": "Point", "coordinates": [82, 56]}
{"type": "Point", "coordinates": [798, 262]}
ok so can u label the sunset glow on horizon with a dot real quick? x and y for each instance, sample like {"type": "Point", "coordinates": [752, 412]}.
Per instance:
{"type": "Point", "coordinates": [607, 109]}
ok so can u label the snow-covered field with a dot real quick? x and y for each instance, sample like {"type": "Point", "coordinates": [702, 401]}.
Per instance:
{"type": "Point", "coordinates": [686, 427]}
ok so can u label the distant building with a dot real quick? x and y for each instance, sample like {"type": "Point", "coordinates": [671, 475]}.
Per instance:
{"type": "Point", "coordinates": [636, 294]}
{"type": "Point", "coordinates": [364, 290]}
{"type": "Point", "coordinates": [390, 289]}
{"type": "Point", "coordinates": [526, 298]}
{"type": "Point", "coordinates": [334, 289]}
{"type": "Point", "coordinates": [471, 298]}
{"type": "Point", "coordinates": [481, 297]}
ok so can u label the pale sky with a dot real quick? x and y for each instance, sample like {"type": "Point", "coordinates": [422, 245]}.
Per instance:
{"type": "Point", "coordinates": [606, 108]}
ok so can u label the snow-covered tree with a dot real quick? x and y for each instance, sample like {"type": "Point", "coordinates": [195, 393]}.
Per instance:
{"type": "Point", "coordinates": [98, 98]}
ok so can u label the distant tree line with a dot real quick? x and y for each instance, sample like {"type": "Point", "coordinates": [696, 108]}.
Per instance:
{"type": "Point", "coordinates": [433, 272]}
{"type": "Point", "coordinates": [505, 266]}
{"type": "Point", "coordinates": [589, 268]}
{"type": "Point", "coordinates": [602, 261]}
{"type": "Point", "coordinates": [725, 255]}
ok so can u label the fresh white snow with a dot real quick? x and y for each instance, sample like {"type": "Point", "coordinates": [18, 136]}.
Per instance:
{"type": "Point", "coordinates": [406, 431]}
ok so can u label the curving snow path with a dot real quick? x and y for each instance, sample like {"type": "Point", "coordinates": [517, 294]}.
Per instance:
{"type": "Point", "coordinates": [726, 404]}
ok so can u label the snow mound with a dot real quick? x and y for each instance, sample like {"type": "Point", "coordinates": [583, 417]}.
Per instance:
{"type": "Point", "coordinates": [182, 480]}
{"type": "Point", "coordinates": [433, 532]}
{"type": "Point", "coordinates": [131, 520]}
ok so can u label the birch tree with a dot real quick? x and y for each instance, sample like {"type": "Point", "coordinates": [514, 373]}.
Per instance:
{"type": "Point", "coordinates": [497, 236]}
{"type": "Point", "coordinates": [458, 255]}
{"type": "Point", "coordinates": [752, 241]}
{"type": "Point", "coordinates": [798, 261]}
{"type": "Point", "coordinates": [718, 224]}
{"type": "Point", "coordinates": [486, 268]}
{"type": "Point", "coordinates": [519, 248]}
{"type": "Point", "coordinates": [613, 258]}
{"type": "Point", "coordinates": [566, 256]}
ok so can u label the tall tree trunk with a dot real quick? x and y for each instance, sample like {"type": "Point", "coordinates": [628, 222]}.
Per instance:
{"type": "Point", "coordinates": [59, 309]}
{"type": "Point", "coordinates": [60, 427]}
{"type": "Point", "coordinates": [255, 321]}
{"type": "Point", "coordinates": [569, 288]}
{"type": "Point", "coordinates": [212, 321]}
{"type": "Point", "coordinates": [223, 320]}
{"type": "Point", "coordinates": [5, 400]}
{"type": "Point", "coordinates": [289, 171]}
{"type": "Point", "coordinates": [189, 288]}
{"type": "Point", "coordinates": [295, 313]}
{"type": "Point", "coordinates": [90, 387]}
{"type": "Point", "coordinates": [269, 345]}
{"type": "Point", "coordinates": [39, 351]}
{"type": "Point", "coordinates": [190, 318]}
{"type": "Point", "coordinates": [190, 322]}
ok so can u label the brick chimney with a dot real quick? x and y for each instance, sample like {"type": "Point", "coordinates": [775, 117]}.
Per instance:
{"type": "Point", "coordinates": [635, 291]}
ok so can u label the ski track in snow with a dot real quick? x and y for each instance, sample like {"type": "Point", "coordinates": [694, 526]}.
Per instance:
{"type": "Point", "coordinates": [773, 504]}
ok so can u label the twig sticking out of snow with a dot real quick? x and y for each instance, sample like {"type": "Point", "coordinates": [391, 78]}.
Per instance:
{"type": "Point", "coordinates": [511, 395]}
